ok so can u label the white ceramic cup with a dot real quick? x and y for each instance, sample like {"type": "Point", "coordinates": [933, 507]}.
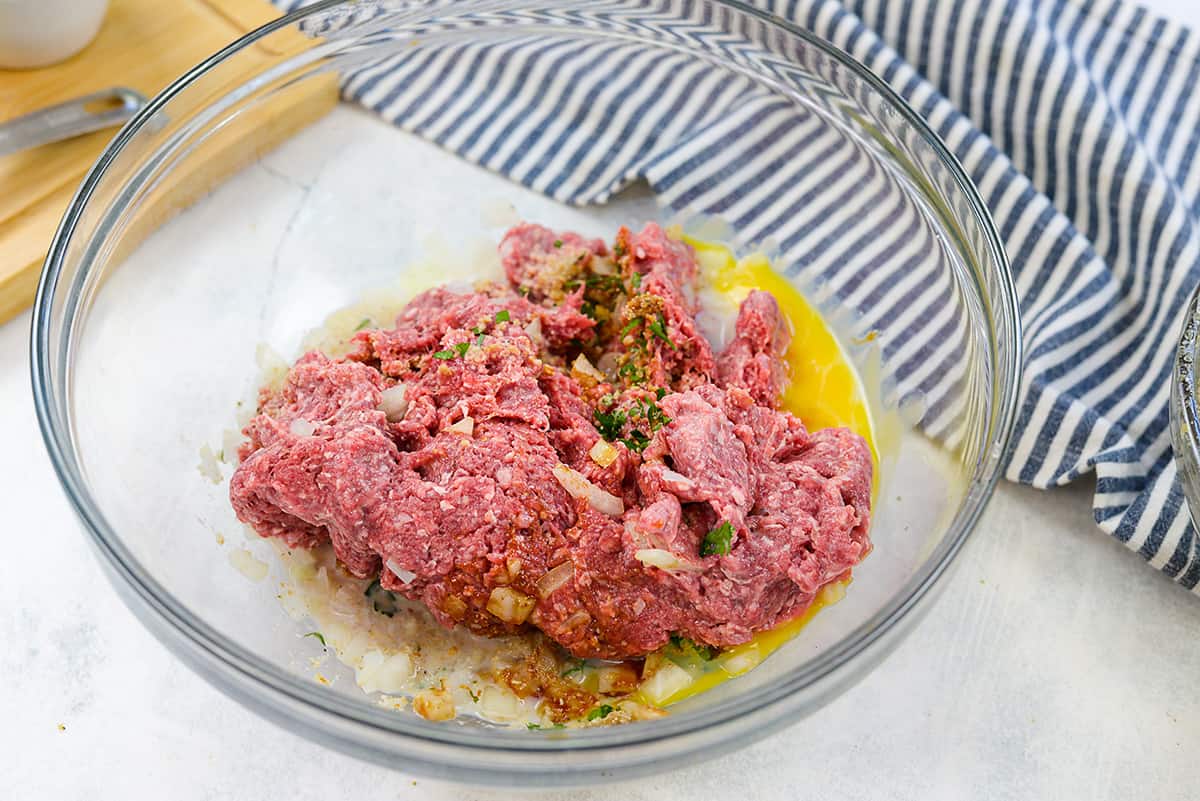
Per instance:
{"type": "Point", "coordinates": [34, 33]}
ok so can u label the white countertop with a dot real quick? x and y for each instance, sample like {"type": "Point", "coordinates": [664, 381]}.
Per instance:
{"type": "Point", "coordinates": [1054, 665]}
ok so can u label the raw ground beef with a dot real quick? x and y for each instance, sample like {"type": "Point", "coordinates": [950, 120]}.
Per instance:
{"type": "Point", "coordinates": [719, 517]}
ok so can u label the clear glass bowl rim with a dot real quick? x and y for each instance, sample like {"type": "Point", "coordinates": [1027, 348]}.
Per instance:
{"type": "Point", "coordinates": [158, 601]}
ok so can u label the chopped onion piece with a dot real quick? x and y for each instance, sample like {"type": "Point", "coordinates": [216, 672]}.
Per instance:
{"type": "Point", "coordinates": [678, 478]}
{"type": "Point", "coordinates": [580, 618]}
{"type": "Point", "coordinates": [664, 560]}
{"type": "Point", "coordinates": [434, 705]}
{"type": "Point", "coordinates": [509, 605]}
{"type": "Point", "coordinates": [583, 367]}
{"type": "Point", "coordinates": [603, 454]}
{"type": "Point", "coordinates": [616, 679]}
{"type": "Point", "coordinates": [405, 576]}
{"type": "Point", "coordinates": [554, 578]}
{"type": "Point", "coordinates": [393, 403]}
{"type": "Point", "coordinates": [738, 664]}
{"type": "Point", "coordinates": [577, 485]}
{"type": "Point", "coordinates": [464, 426]}
{"type": "Point", "coordinates": [534, 328]}
{"type": "Point", "coordinates": [302, 428]}
{"type": "Point", "coordinates": [665, 683]}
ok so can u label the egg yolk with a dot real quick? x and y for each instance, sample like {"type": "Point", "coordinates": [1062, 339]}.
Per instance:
{"type": "Point", "coordinates": [823, 391]}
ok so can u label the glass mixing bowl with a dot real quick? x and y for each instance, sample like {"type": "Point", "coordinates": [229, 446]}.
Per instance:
{"type": "Point", "coordinates": [162, 282]}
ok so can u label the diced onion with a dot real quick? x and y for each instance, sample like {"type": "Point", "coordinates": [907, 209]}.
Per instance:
{"type": "Point", "coordinates": [464, 426]}
{"type": "Point", "coordinates": [534, 328]}
{"type": "Point", "coordinates": [380, 672]}
{"type": "Point", "coordinates": [509, 605]}
{"type": "Point", "coordinates": [302, 428]}
{"type": "Point", "coordinates": [434, 705]}
{"type": "Point", "coordinates": [496, 703]}
{"type": "Point", "coordinates": [663, 560]}
{"type": "Point", "coordinates": [580, 618]}
{"type": "Point", "coordinates": [616, 679]}
{"type": "Point", "coordinates": [679, 478]}
{"type": "Point", "coordinates": [405, 576]}
{"type": "Point", "coordinates": [394, 403]}
{"type": "Point", "coordinates": [737, 664]}
{"type": "Point", "coordinates": [577, 486]}
{"type": "Point", "coordinates": [554, 578]}
{"type": "Point", "coordinates": [602, 453]}
{"type": "Point", "coordinates": [583, 367]}
{"type": "Point", "coordinates": [665, 683]}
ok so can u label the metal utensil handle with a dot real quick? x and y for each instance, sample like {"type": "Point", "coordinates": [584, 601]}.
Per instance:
{"type": "Point", "coordinates": [79, 116]}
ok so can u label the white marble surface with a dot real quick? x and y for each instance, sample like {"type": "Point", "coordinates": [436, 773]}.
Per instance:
{"type": "Point", "coordinates": [1055, 665]}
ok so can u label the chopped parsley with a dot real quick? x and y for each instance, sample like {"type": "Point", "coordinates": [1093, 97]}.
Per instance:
{"type": "Point", "coordinates": [618, 251]}
{"type": "Point", "coordinates": [632, 371]}
{"type": "Point", "coordinates": [588, 309]}
{"type": "Point", "coordinates": [602, 711]}
{"type": "Point", "coordinates": [632, 324]}
{"type": "Point", "coordinates": [382, 601]}
{"type": "Point", "coordinates": [635, 281]}
{"type": "Point", "coordinates": [661, 393]}
{"type": "Point", "coordinates": [705, 652]}
{"type": "Point", "coordinates": [533, 725]}
{"type": "Point", "coordinates": [577, 666]}
{"type": "Point", "coordinates": [462, 348]}
{"type": "Point", "coordinates": [365, 322]}
{"type": "Point", "coordinates": [658, 327]}
{"type": "Point", "coordinates": [636, 441]}
{"type": "Point", "coordinates": [718, 541]}
{"type": "Point", "coordinates": [558, 243]}
{"type": "Point", "coordinates": [610, 424]}
{"type": "Point", "coordinates": [444, 354]}
{"type": "Point", "coordinates": [319, 636]}
{"type": "Point", "coordinates": [654, 416]}
{"type": "Point", "coordinates": [502, 316]}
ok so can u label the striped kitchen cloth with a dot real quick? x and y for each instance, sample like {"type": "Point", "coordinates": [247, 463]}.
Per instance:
{"type": "Point", "coordinates": [1079, 122]}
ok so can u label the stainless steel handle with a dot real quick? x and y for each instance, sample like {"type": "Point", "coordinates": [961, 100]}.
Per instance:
{"type": "Point", "coordinates": [79, 116]}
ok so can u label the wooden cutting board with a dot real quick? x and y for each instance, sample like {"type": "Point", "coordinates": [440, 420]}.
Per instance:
{"type": "Point", "coordinates": [143, 45]}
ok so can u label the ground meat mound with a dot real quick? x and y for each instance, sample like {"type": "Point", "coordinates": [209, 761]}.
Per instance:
{"type": "Point", "coordinates": [433, 456]}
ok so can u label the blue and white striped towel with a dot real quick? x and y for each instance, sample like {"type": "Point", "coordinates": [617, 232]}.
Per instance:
{"type": "Point", "coordinates": [1079, 122]}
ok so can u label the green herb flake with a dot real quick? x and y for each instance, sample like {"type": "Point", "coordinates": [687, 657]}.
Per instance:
{"type": "Point", "coordinates": [658, 327]}
{"type": "Point", "coordinates": [474, 697]}
{"type": "Point", "coordinates": [632, 324]}
{"type": "Point", "coordinates": [319, 637]}
{"type": "Point", "coordinates": [479, 340]}
{"type": "Point", "coordinates": [718, 541]}
{"type": "Point", "coordinates": [636, 441]}
{"type": "Point", "coordinates": [444, 355]}
{"type": "Point", "coordinates": [635, 281]}
{"type": "Point", "coordinates": [660, 393]}
{"type": "Point", "coordinates": [560, 725]}
{"type": "Point", "coordinates": [705, 652]}
{"type": "Point", "coordinates": [558, 243]}
{"type": "Point", "coordinates": [609, 424]}
{"type": "Point", "coordinates": [365, 322]}
{"type": "Point", "coordinates": [577, 666]}
{"type": "Point", "coordinates": [502, 316]}
{"type": "Point", "coordinates": [656, 417]}
{"type": "Point", "coordinates": [382, 601]}
{"type": "Point", "coordinates": [533, 725]}
{"type": "Point", "coordinates": [600, 712]}
{"type": "Point", "coordinates": [462, 348]}
{"type": "Point", "coordinates": [632, 371]}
